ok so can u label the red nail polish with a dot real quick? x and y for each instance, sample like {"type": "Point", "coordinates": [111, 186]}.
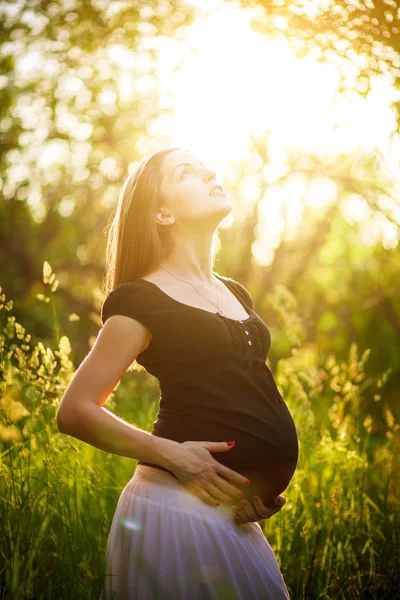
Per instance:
{"type": "Point", "coordinates": [248, 482]}
{"type": "Point", "coordinates": [230, 443]}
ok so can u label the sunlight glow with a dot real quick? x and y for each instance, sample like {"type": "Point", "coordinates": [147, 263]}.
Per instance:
{"type": "Point", "coordinates": [242, 83]}
{"type": "Point", "coordinates": [250, 84]}
{"type": "Point", "coordinates": [132, 525]}
{"type": "Point", "coordinates": [225, 84]}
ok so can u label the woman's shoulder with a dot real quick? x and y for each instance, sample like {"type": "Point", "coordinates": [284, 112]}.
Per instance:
{"type": "Point", "coordinates": [126, 290]}
{"type": "Point", "coordinates": [130, 298]}
{"type": "Point", "coordinates": [238, 288]}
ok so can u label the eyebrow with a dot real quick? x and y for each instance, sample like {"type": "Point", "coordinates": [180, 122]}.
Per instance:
{"type": "Point", "coordinates": [187, 164]}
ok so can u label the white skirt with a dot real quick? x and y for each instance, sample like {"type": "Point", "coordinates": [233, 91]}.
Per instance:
{"type": "Point", "coordinates": [167, 544]}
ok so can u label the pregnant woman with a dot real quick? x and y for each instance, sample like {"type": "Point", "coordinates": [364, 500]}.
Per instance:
{"type": "Point", "coordinates": [222, 421]}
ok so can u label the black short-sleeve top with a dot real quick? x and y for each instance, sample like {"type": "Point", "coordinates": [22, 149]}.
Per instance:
{"type": "Point", "coordinates": [214, 382]}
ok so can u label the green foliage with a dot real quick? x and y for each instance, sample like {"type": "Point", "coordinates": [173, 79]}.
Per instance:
{"type": "Point", "coordinates": [340, 535]}
{"type": "Point", "coordinates": [337, 536]}
{"type": "Point", "coordinates": [57, 493]}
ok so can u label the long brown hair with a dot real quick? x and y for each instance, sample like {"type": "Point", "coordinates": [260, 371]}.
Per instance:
{"type": "Point", "coordinates": [136, 245]}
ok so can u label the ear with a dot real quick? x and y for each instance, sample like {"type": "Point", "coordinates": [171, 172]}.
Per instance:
{"type": "Point", "coordinates": [164, 217]}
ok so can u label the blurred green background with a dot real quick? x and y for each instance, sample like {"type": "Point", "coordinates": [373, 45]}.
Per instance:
{"type": "Point", "coordinates": [296, 105]}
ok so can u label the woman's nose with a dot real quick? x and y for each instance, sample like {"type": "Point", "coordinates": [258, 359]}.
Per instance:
{"type": "Point", "coordinates": [210, 174]}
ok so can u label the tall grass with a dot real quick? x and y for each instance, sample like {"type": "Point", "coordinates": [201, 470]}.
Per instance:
{"type": "Point", "coordinates": [338, 535]}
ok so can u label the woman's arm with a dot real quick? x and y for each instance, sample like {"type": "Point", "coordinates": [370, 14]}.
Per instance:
{"type": "Point", "coordinates": [81, 413]}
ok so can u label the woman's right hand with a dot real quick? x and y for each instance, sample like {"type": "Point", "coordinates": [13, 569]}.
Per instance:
{"type": "Point", "coordinates": [202, 475]}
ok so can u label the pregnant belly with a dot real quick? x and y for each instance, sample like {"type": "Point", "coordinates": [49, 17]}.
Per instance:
{"type": "Point", "coordinates": [267, 456]}
{"type": "Point", "coordinates": [269, 467]}
{"type": "Point", "coordinates": [265, 450]}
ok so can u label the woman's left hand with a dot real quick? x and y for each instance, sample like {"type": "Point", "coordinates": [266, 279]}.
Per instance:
{"type": "Point", "coordinates": [246, 512]}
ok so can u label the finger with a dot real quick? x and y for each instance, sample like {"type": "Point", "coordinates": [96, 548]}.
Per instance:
{"type": "Point", "coordinates": [238, 520]}
{"type": "Point", "coordinates": [262, 510]}
{"type": "Point", "coordinates": [274, 509]}
{"type": "Point", "coordinates": [231, 475]}
{"type": "Point", "coordinates": [249, 511]}
{"type": "Point", "coordinates": [280, 500]}
{"type": "Point", "coordinates": [265, 512]}
{"type": "Point", "coordinates": [216, 446]}
{"type": "Point", "coordinates": [214, 491]}
{"type": "Point", "coordinates": [207, 497]}
{"type": "Point", "coordinates": [239, 515]}
{"type": "Point", "coordinates": [227, 490]}
{"type": "Point", "coordinates": [271, 511]}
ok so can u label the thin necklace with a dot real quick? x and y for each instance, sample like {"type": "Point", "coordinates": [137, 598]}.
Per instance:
{"type": "Point", "coordinates": [219, 311]}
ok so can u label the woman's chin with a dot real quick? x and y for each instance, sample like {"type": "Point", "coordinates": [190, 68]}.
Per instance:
{"type": "Point", "coordinates": [224, 210]}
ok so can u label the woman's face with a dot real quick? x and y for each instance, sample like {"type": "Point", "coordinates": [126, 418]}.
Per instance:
{"type": "Point", "coordinates": [186, 188]}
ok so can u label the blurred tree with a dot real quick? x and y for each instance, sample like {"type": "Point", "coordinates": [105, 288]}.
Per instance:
{"type": "Point", "coordinates": [365, 35]}
{"type": "Point", "coordinates": [79, 94]}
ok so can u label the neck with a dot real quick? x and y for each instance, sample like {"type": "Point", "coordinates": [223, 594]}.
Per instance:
{"type": "Point", "coordinates": [191, 260]}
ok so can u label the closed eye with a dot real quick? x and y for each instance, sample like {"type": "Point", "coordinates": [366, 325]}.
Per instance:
{"type": "Point", "coordinates": [192, 169]}
{"type": "Point", "coordinates": [187, 171]}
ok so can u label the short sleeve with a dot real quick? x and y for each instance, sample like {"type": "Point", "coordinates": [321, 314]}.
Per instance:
{"type": "Point", "coordinates": [129, 299]}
